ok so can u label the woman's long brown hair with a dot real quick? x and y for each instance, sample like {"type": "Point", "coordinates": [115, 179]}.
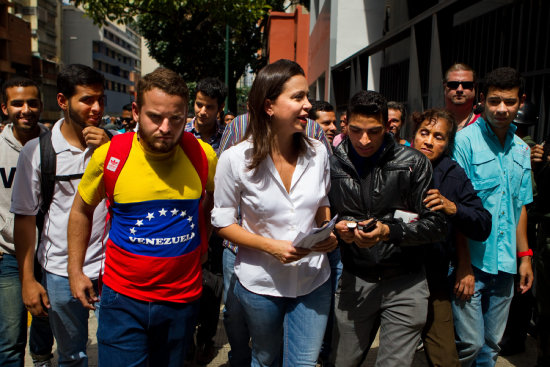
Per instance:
{"type": "Point", "coordinates": [269, 84]}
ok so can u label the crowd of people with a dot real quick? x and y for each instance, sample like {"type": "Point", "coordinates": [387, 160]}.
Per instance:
{"type": "Point", "coordinates": [315, 233]}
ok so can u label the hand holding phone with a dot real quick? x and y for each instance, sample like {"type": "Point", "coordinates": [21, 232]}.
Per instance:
{"type": "Point", "coordinates": [369, 227]}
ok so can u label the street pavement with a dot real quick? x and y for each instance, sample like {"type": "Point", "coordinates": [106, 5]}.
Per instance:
{"type": "Point", "coordinates": [526, 359]}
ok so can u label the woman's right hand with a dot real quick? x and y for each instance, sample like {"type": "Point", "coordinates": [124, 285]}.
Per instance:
{"type": "Point", "coordinates": [286, 253]}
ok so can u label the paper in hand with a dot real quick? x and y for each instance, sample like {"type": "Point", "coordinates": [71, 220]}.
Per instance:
{"type": "Point", "coordinates": [308, 240]}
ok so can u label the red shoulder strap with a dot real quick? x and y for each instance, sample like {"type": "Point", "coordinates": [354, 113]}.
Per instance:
{"type": "Point", "coordinates": [116, 158]}
{"type": "Point", "coordinates": [196, 155]}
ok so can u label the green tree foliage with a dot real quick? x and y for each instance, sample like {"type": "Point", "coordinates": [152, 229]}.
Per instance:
{"type": "Point", "coordinates": [188, 36]}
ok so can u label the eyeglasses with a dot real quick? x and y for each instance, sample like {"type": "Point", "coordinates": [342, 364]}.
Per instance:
{"type": "Point", "coordinates": [465, 85]}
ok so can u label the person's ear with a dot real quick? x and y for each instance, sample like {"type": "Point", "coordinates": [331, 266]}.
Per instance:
{"type": "Point", "coordinates": [268, 107]}
{"type": "Point", "coordinates": [62, 101]}
{"type": "Point", "coordinates": [522, 100]}
{"type": "Point", "coordinates": [135, 111]}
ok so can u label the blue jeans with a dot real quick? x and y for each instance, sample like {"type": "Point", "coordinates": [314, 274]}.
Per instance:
{"type": "Point", "coordinates": [303, 320]}
{"type": "Point", "coordinates": [13, 321]}
{"type": "Point", "coordinates": [233, 316]}
{"type": "Point", "coordinates": [480, 322]}
{"type": "Point", "coordinates": [139, 333]}
{"type": "Point", "coordinates": [68, 319]}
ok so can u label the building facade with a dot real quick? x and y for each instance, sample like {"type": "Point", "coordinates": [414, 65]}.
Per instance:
{"type": "Point", "coordinates": [402, 48]}
{"type": "Point", "coordinates": [287, 36]}
{"type": "Point", "coordinates": [113, 50]}
{"type": "Point", "coordinates": [44, 17]}
{"type": "Point", "coordinates": [15, 44]}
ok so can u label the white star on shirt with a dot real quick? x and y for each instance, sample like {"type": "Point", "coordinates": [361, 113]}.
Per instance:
{"type": "Point", "coordinates": [174, 211]}
{"type": "Point", "coordinates": [133, 230]}
{"type": "Point", "coordinates": [139, 222]}
{"type": "Point", "coordinates": [192, 225]}
{"type": "Point", "coordinates": [150, 216]}
{"type": "Point", "coordinates": [162, 212]}
{"type": "Point", "coordinates": [183, 213]}
{"type": "Point", "coordinates": [190, 218]}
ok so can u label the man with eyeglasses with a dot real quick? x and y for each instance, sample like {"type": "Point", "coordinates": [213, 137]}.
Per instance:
{"type": "Point", "coordinates": [498, 163]}
{"type": "Point", "coordinates": [459, 84]}
{"type": "Point", "coordinates": [127, 121]}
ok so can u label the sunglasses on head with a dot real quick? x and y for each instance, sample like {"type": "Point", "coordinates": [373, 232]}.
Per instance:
{"type": "Point", "coordinates": [465, 85]}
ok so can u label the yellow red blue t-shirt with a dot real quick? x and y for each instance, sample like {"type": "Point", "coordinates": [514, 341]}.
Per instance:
{"type": "Point", "coordinates": [153, 251]}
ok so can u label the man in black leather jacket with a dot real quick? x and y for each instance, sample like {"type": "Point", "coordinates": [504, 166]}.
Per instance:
{"type": "Point", "coordinates": [383, 277]}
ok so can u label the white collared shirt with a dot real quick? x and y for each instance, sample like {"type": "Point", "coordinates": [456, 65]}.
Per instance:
{"type": "Point", "coordinates": [268, 210]}
{"type": "Point", "coordinates": [27, 198]}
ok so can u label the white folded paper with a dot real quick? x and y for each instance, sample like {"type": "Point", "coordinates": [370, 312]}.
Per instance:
{"type": "Point", "coordinates": [308, 240]}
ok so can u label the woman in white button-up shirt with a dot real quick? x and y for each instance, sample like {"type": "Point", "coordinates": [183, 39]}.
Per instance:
{"type": "Point", "coordinates": [280, 180]}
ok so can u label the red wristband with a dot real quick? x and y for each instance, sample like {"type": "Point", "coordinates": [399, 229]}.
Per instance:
{"type": "Point", "coordinates": [525, 253]}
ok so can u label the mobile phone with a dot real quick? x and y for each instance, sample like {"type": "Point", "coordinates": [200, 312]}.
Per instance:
{"type": "Point", "coordinates": [351, 225]}
{"type": "Point", "coordinates": [369, 227]}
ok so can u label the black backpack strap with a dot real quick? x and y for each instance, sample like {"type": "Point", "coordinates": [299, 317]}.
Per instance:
{"type": "Point", "coordinates": [48, 163]}
{"type": "Point", "coordinates": [47, 173]}
{"type": "Point", "coordinates": [76, 176]}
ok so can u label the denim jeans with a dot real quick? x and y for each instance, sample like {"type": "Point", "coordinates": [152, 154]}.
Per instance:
{"type": "Point", "coordinates": [233, 316]}
{"type": "Point", "coordinates": [303, 320]}
{"type": "Point", "coordinates": [139, 333]}
{"type": "Point", "coordinates": [69, 321]}
{"type": "Point", "coordinates": [480, 322]}
{"type": "Point", "coordinates": [13, 320]}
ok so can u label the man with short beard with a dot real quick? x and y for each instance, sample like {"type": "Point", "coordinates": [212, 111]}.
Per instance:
{"type": "Point", "coordinates": [459, 85]}
{"type": "Point", "coordinates": [73, 140]}
{"type": "Point", "coordinates": [158, 236]}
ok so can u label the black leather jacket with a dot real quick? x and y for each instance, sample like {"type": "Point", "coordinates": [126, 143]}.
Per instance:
{"type": "Point", "coordinates": [399, 179]}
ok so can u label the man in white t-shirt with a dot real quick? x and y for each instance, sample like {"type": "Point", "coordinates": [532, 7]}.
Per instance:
{"type": "Point", "coordinates": [73, 139]}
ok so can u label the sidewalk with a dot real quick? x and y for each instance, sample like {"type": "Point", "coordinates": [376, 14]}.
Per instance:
{"type": "Point", "coordinates": [526, 359]}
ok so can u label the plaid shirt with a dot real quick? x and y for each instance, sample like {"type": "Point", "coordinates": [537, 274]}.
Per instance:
{"type": "Point", "coordinates": [214, 139]}
{"type": "Point", "coordinates": [234, 132]}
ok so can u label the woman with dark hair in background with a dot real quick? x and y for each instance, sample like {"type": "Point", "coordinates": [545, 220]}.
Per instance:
{"type": "Point", "coordinates": [279, 179]}
{"type": "Point", "coordinates": [453, 194]}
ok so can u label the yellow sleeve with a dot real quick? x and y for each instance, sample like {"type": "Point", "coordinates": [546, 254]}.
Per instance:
{"type": "Point", "coordinates": [91, 187]}
{"type": "Point", "coordinates": [212, 162]}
